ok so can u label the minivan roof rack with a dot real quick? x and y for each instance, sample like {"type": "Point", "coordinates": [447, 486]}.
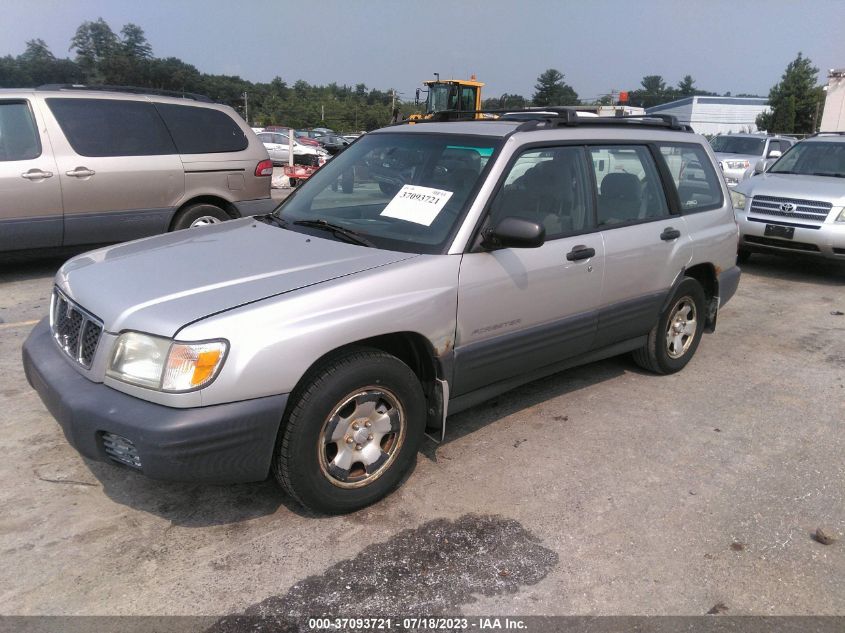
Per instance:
{"type": "Point", "coordinates": [555, 116]}
{"type": "Point", "coordinates": [129, 89]}
{"type": "Point", "coordinates": [831, 133]}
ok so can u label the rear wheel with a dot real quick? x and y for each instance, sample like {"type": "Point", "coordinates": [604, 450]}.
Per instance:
{"type": "Point", "coordinates": [673, 341]}
{"type": "Point", "coordinates": [352, 432]}
{"type": "Point", "coordinates": [199, 215]}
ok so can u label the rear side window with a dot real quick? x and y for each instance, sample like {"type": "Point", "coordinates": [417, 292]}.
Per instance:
{"type": "Point", "coordinates": [202, 130]}
{"type": "Point", "coordinates": [110, 127]}
{"type": "Point", "coordinates": [694, 177]}
{"type": "Point", "coordinates": [18, 134]}
{"type": "Point", "coordinates": [629, 187]}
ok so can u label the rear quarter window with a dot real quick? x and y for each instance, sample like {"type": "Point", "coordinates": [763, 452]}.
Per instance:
{"type": "Point", "coordinates": [202, 130]}
{"type": "Point", "coordinates": [697, 183]}
{"type": "Point", "coordinates": [18, 134]}
{"type": "Point", "coordinates": [111, 127]}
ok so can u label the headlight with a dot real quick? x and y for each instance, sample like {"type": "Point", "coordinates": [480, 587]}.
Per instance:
{"type": "Point", "coordinates": [165, 365]}
{"type": "Point", "coordinates": [737, 164]}
{"type": "Point", "coordinates": [738, 200]}
{"type": "Point", "coordinates": [841, 217]}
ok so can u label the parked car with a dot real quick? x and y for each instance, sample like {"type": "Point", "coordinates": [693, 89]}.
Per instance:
{"type": "Point", "coordinates": [796, 205]}
{"type": "Point", "coordinates": [332, 143]}
{"type": "Point", "coordinates": [737, 152]}
{"type": "Point", "coordinates": [80, 166]}
{"type": "Point", "coordinates": [320, 341]}
{"type": "Point", "coordinates": [277, 145]}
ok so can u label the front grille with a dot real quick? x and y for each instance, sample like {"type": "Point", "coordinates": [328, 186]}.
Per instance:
{"type": "Point", "coordinates": [805, 209]}
{"type": "Point", "coordinates": [76, 331]}
{"type": "Point", "coordinates": [121, 449]}
{"type": "Point", "coordinates": [767, 241]}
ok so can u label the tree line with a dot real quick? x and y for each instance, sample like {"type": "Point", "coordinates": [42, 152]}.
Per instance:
{"type": "Point", "coordinates": [103, 57]}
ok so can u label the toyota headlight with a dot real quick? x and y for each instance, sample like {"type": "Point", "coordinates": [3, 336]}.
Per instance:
{"type": "Point", "coordinates": [165, 365]}
{"type": "Point", "coordinates": [737, 164]}
{"type": "Point", "coordinates": [841, 217]}
{"type": "Point", "coordinates": [738, 200]}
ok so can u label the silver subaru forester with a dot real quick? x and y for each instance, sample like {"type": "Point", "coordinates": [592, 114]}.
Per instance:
{"type": "Point", "coordinates": [423, 270]}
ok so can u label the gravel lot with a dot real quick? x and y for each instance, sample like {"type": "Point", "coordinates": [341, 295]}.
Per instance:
{"type": "Point", "coordinates": [601, 490]}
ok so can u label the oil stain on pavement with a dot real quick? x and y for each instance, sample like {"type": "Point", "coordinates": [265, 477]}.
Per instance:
{"type": "Point", "coordinates": [428, 570]}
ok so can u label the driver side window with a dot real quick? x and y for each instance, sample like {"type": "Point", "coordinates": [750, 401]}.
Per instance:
{"type": "Point", "coordinates": [548, 186]}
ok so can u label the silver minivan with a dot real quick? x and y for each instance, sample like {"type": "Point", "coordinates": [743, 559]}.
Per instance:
{"type": "Point", "coordinates": [80, 166]}
{"type": "Point", "coordinates": [423, 270]}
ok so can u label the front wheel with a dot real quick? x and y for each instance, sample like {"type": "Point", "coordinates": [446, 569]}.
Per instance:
{"type": "Point", "coordinates": [673, 341]}
{"type": "Point", "coordinates": [352, 432]}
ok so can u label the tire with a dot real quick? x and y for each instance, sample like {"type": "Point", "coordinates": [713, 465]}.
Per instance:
{"type": "Point", "coordinates": [743, 255]}
{"type": "Point", "coordinates": [661, 356]}
{"type": "Point", "coordinates": [351, 433]}
{"type": "Point", "coordinates": [199, 215]}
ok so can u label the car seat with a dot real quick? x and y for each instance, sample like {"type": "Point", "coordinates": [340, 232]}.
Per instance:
{"type": "Point", "coordinates": [620, 199]}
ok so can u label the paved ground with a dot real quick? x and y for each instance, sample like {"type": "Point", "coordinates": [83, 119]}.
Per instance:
{"type": "Point", "coordinates": [602, 490]}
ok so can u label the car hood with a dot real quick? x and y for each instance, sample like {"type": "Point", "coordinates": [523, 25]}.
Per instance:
{"type": "Point", "coordinates": [160, 284]}
{"type": "Point", "coordinates": [825, 188]}
{"type": "Point", "coordinates": [751, 158]}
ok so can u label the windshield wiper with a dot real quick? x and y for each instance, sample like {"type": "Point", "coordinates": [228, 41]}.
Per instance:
{"type": "Point", "coordinates": [272, 218]}
{"type": "Point", "coordinates": [350, 235]}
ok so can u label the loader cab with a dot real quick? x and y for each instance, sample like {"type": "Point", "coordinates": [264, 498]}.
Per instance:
{"type": "Point", "coordinates": [453, 94]}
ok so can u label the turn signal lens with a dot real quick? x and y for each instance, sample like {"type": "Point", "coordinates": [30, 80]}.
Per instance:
{"type": "Point", "coordinates": [192, 365]}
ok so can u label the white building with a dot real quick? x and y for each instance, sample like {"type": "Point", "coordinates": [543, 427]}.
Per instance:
{"type": "Point", "coordinates": [833, 117]}
{"type": "Point", "coordinates": [715, 115]}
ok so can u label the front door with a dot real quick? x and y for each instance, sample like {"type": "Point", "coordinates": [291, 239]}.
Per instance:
{"type": "Point", "coordinates": [521, 309]}
{"type": "Point", "coordinates": [30, 194]}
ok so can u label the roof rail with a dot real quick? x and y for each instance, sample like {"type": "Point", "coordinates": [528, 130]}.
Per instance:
{"type": "Point", "coordinates": [555, 116]}
{"type": "Point", "coordinates": [831, 133]}
{"type": "Point", "coordinates": [129, 89]}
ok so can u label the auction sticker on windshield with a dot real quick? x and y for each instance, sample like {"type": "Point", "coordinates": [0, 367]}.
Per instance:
{"type": "Point", "coordinates": [420, 205]}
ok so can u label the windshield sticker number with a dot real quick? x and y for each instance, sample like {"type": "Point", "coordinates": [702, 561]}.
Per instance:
{"type": "Point", "coordinates": [420, 205]}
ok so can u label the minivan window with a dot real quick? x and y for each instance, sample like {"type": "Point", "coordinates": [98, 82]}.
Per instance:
{"type": "Point", "coordinates": [18, 134]}
{"type": "Point", "coordinates": [695, 179]}
{"type": "Point", "coordinates": [629, 188]}
{"type": "Point", "coordinates": [202, 130]}
{"type": "Point", "coordinates": [111, 127]}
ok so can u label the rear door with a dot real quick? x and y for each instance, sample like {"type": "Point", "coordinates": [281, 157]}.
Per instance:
{"type": "Point", "coordinates": [30, 194]}
{"type": "Point", "coordinates": [521, 309]}
{"type": "Point", "coordinates": [645, 246]}
{"type": "Point", "coordinates": [120, 174]}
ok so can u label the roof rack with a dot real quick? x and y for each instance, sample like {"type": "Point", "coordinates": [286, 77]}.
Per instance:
{"type": "Point", "coordinates": [556, 116]}
{"type": "Point", "coordinates": [129, 89]}
{"type": "Point", "coordinates": [832, 133]}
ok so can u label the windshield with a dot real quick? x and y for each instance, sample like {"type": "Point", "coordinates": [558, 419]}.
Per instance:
{"type": "Point", "coordinates": [439, 98]}
{"type": "Point", "coordinates": [738, 145]}
{"type": "Point", "coordinates": [813, 159]}
{"type": "Point", "coordinates": [401, 191]}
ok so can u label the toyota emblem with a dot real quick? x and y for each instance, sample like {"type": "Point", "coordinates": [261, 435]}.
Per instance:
{"type": "Point", "coordinates": [787, 207]}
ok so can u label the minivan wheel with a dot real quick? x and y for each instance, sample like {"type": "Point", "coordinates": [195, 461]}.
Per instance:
{"type": "Point", "coordinates": [352, 431]}
{"type": "Point", "coordinates": [673, 341]}
{"type": "Point", "coordinates": [199, 215]}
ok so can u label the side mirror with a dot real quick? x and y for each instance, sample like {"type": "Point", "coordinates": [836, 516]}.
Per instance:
{"type": "Point", "coordinates": [515, 233]}
{"type": "Point", "coordinates": [775, 153]}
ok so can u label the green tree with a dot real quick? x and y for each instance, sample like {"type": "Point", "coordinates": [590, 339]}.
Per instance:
{"type": "Point", "coordinates": [94, 43]}
{"type": "Point", "coordinates": [686, 86]}
{"type": "Point", "coordinates": [552, 90]}
{"type": "Point", "coordinates": [794, 101]}
{"type": "Point", "coordinates": [134, 42]}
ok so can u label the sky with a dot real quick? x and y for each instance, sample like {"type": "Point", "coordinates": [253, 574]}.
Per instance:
{"type": "Point", "coordinates": [741, 46]}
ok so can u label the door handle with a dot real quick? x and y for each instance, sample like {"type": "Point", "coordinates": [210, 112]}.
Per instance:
{"type": "Point", "coordinates": [36, 174]}
{"type": "Point", "coordinates": [80, 172]}
{"type": "Point", "coordinates": [580, 252]}
{"type": "Point", "coordinates": [670, 234]}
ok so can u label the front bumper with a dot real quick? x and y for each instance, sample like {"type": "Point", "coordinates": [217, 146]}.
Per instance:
{"type": "Point", "coordinates": [226, 443]}
{"type": "Point", "coordinates": [828, 240]}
